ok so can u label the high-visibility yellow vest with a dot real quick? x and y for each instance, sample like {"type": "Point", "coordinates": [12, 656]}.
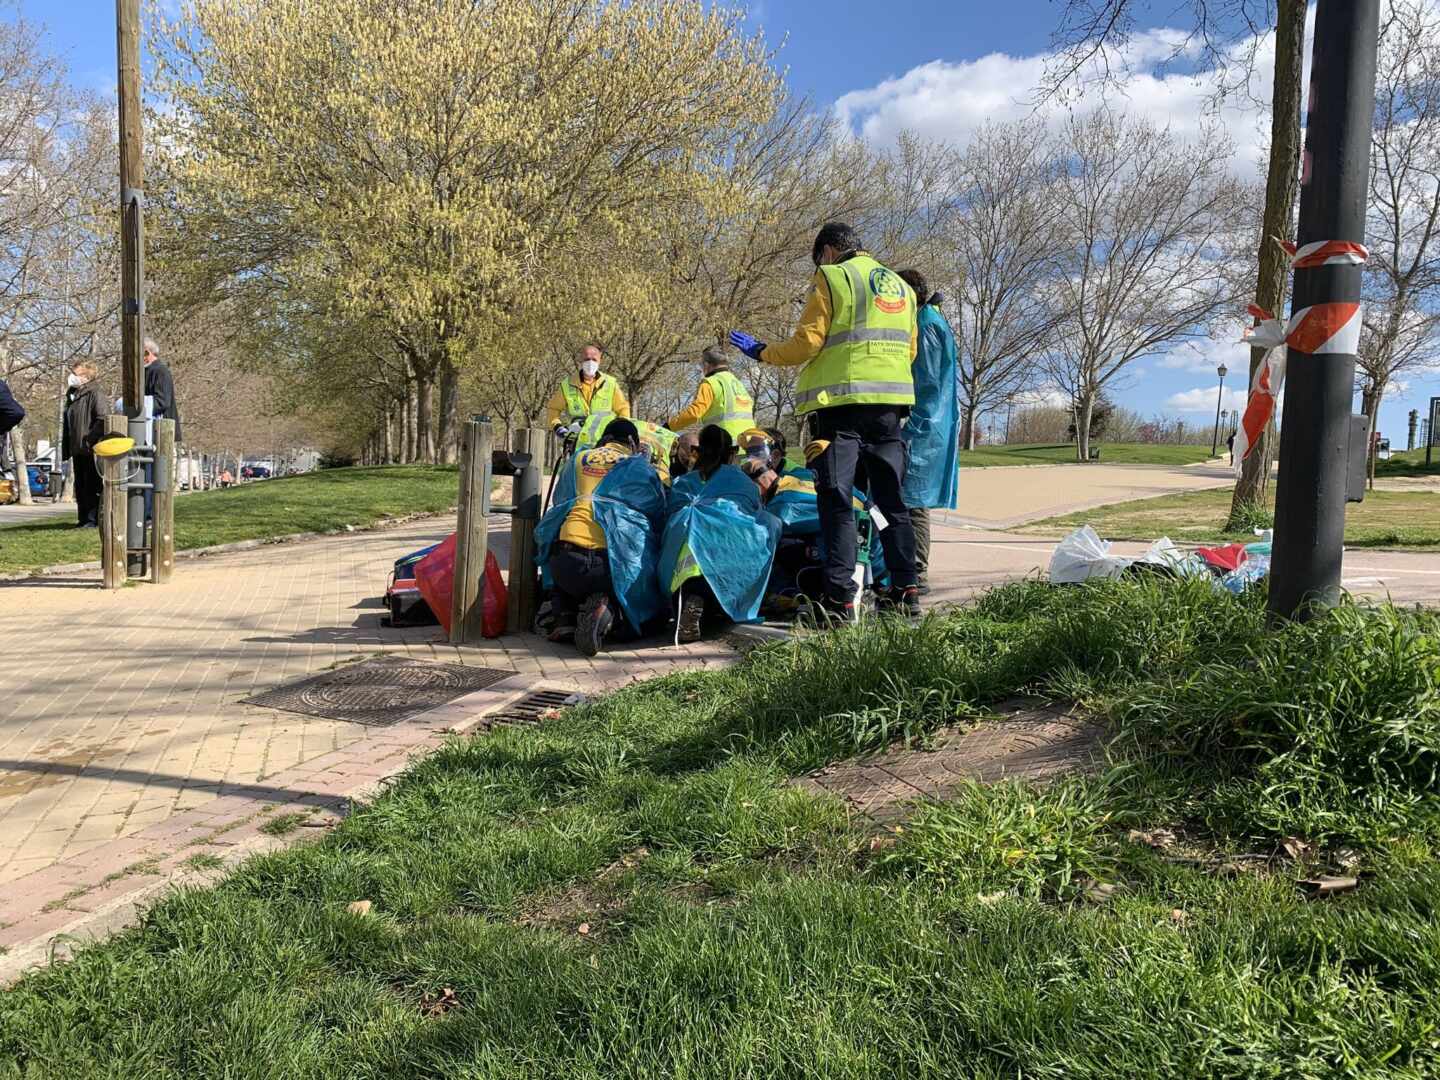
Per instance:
{"type": "Point", "coordinates": [602, 398]}
{"type": "Point", "coordinates": [732, 408]}
{"type": "Point", "coordinates": [866, 355]}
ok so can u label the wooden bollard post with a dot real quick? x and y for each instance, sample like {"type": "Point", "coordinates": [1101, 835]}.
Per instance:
{"type": "Point", "coordinates": [162, 528]}
{"type": "Point", "coordinates": [524, 576]}
{"type": "Point", "coordinates": [467, 596]}
{"type": "Point", "coordinates": [113, 518]}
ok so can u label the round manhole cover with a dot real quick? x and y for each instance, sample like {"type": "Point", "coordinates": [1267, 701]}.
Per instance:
{"type": "Point", "coordinates": [379, 691]}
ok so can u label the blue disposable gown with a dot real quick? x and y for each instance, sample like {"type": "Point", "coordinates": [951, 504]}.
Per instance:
{"type": "Point", "coordinates": [629, 507]}
{"type": "Point", "coordinates": [797, 507]}
{"type": "Point", "coordinates": [933, 431]}
{"type": "Point", "coordinates": [731, 536]}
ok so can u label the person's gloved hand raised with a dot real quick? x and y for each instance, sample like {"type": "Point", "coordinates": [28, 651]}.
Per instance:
{"type": "Point", "coordinates": [748, 345]}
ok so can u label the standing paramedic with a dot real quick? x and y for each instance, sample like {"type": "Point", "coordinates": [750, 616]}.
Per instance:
{"type": "Point", "coordinates": [720, 399]}
{"type": "Point", "coordinates": [857, 339]}
{"type": "Point", "coordinates": [586, 393]}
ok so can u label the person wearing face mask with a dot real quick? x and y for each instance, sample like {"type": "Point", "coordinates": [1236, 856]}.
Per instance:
{"type": "Point", "coordinates": [586, 393]}
{"type": "Point", "coordinates": [84, 426]}
{"type": "Point", "coordinates": [721, 399]}
{"type": "Point", "coordinates": [855, 344]}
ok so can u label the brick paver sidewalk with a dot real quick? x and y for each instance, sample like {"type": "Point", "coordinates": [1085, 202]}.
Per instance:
{"type": "Point", "coordinates": [120, 710]}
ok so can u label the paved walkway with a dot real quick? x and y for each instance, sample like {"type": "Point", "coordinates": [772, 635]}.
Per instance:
{"type": "Point", "coordinates": [118, 710]}
{"type": "Point", "coordinates": [1002, 498]}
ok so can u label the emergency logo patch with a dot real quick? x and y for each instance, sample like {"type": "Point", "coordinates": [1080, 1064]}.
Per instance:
{"type": "Point", "coordinates": [889, 291]}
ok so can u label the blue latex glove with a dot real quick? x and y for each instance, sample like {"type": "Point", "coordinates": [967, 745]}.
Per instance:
{"type": "Point", "coordinates": [747, 344]}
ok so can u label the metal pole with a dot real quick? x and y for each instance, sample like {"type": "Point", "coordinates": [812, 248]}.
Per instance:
{"type": "Point", "coordinates": [1320, 387]}
{"type": "Point", "coordinates": [1219, 400]}
{"type": "Point", "coordinates": [1414, 423]}
{"type": "Point", "coordinates": [132, 253]}
{"type": "Point", "coordinates": [524, 584]}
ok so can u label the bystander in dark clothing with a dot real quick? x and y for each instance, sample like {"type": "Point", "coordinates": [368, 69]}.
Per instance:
{"type": "Point", "coordinates": [11, 411]}
{"type": "Point", "coordinates": [84, 427]}
{"type": "Point", "coordinates": [160, 385]}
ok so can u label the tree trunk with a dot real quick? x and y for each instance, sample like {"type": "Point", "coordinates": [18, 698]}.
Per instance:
{"type": "Point", "coordinates": [449, 422]}
{"type": "Point", "coordinates": [1372, 410]}
{"type": "Point", "coordinates": [390, 435]}
{"type": "Point", "coordinates": [967, 425]}
{"type": "Point", "coordinates": [424, 418]}
{"type": "Point", "coordinates": [1282, 186]}
{"type": "Point", "coordinates": [1083, 414]}
{"type": "Point", "coordinates": [17, 455]}
{"type": "Point", "coordinates": [407, 423]}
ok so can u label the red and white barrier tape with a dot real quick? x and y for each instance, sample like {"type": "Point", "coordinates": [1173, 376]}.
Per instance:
{"type": "Point", "coordinates": [1325, 253]}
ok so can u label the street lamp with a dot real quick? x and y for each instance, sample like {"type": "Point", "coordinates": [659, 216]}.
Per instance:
{"type": "Point", "coordinates": [1219, 399]}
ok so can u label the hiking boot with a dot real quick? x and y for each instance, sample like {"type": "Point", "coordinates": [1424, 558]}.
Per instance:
{"type": "Point", "coordinates": [692, 613]}
{"type": "Point", "coordinates": [828, 612]}
{"type": "Point", "coordinates": [904, 602]}
{"type": "Point", "coordinates": [596, 619]}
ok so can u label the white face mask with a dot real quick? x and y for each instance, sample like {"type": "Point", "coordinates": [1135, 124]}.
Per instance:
{"type": "Point", "coordinates": [589, 368]}
{"type": "Point", "coordinates": [72, 379]}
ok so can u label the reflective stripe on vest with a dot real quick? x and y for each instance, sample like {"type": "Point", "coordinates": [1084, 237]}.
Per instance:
{"type": "Point", "coordinates": [602, 398]}
{"type": "Point", "coordinates": [731, 408]}
{"type": "Point", "coordinates": [866, 355]}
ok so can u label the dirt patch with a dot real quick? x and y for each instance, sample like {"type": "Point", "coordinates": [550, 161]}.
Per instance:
{"type": "Point", "coordinates": [1026, 743]}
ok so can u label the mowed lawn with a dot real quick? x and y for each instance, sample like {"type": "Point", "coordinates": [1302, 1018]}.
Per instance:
{"type": "Point", "coordinates": [1064, 454]}
{"type": "Point", "coordinates": [1409, 463]}
{"type": "Point", "coordinates": [322, 501]}
{"type": "Point", "coordinates": [1398, 519]}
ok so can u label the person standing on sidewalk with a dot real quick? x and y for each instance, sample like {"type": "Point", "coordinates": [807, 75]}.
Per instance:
{"type": "Point", "coordinates": [586, 393]}
{"type": "Point", "coordinates": [856, 340]}
{"type": "Point", "coordinates": [11, 411]}
{"type": "Point", "coordinates": [932, 477]}
{"type": "Point", "coordinates": [84, 426]}
{"type": "Point", "coordinates": [721, 399]}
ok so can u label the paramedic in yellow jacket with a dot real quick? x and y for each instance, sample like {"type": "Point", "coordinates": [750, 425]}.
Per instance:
{"type": "Point", "coordinates": [855, 344]}
{"type": "Point", "coordinates": [586, 393]}
{"type": "Point", "coordinates": [721, 399]}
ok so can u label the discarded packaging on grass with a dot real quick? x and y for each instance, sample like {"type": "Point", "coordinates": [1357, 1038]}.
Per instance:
{"type": "Point", "coordinates": [1083, 556]}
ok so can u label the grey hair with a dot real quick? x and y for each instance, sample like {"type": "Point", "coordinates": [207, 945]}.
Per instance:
{"type": "Point", "coordinates": [716, 356]}
{"type": "Point", "coordinates": [151, 347]}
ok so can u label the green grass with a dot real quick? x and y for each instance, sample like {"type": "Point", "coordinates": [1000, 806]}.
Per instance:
{"type": "Point", "coordinates": [1386, 519]}
{"type": "Point", "coordinates": [283, 824]}
{"type": "Point", "coordinates": [631, 891]}
{"type": "Point", "coordinates": [324, 501]}
{"type": "Point", "coordinates": [1409, 463]}
{"type": "Point", "coordinates": [1064, 453]}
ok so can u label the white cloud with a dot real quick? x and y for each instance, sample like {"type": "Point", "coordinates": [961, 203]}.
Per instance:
{"type": "Point", "coordinates": [948, 100]}
{"type": "Point", "coordinates": [1050, 397]}
{"type": "Point", "coordinates": [1202, 400]}
{"type": "Point", "coordinates": [1204, 356]}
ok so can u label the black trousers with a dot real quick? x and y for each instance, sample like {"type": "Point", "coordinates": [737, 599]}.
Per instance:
{"type": "Point", "coordinates": [87, 489]}
{"type": "Point", "coordinates": [865, 451]}
{"type": "Point", "coordinates": [577, 573]}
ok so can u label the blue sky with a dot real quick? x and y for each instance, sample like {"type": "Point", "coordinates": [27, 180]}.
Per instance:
{"type": "Point", "coordinates": [939, 68]}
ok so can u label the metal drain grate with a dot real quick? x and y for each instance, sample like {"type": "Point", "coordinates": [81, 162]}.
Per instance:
{"type": "Point", "coordinates": [531, 709]}
{"type": "Point", "coordinates": [380, 691]}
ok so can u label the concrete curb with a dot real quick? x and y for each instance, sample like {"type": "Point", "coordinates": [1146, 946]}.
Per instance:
{"type": "Point", "coordinates": [244, 545]}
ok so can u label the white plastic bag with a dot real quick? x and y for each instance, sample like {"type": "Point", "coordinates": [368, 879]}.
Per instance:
{"type": "Point", "coordinates": [1164, 554]}
{"type": "Point", "coordinates": [1083, 555]}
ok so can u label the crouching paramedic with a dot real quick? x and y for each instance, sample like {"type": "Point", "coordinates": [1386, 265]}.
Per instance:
{"type": "Point", "coordinates": [857, 339]}
{"type": "Point", "coordinates": [599, 543]}
{"type": "Point", "coordinates": [719, 541]}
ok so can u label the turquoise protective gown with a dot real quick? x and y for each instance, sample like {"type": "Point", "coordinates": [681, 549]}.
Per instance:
{"type": "Point", "coordinates": [720, 530]}
{"type": "Point", "coordinates": [629, 506]}
{"type": "Point", "coordinates": [932, 479]}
